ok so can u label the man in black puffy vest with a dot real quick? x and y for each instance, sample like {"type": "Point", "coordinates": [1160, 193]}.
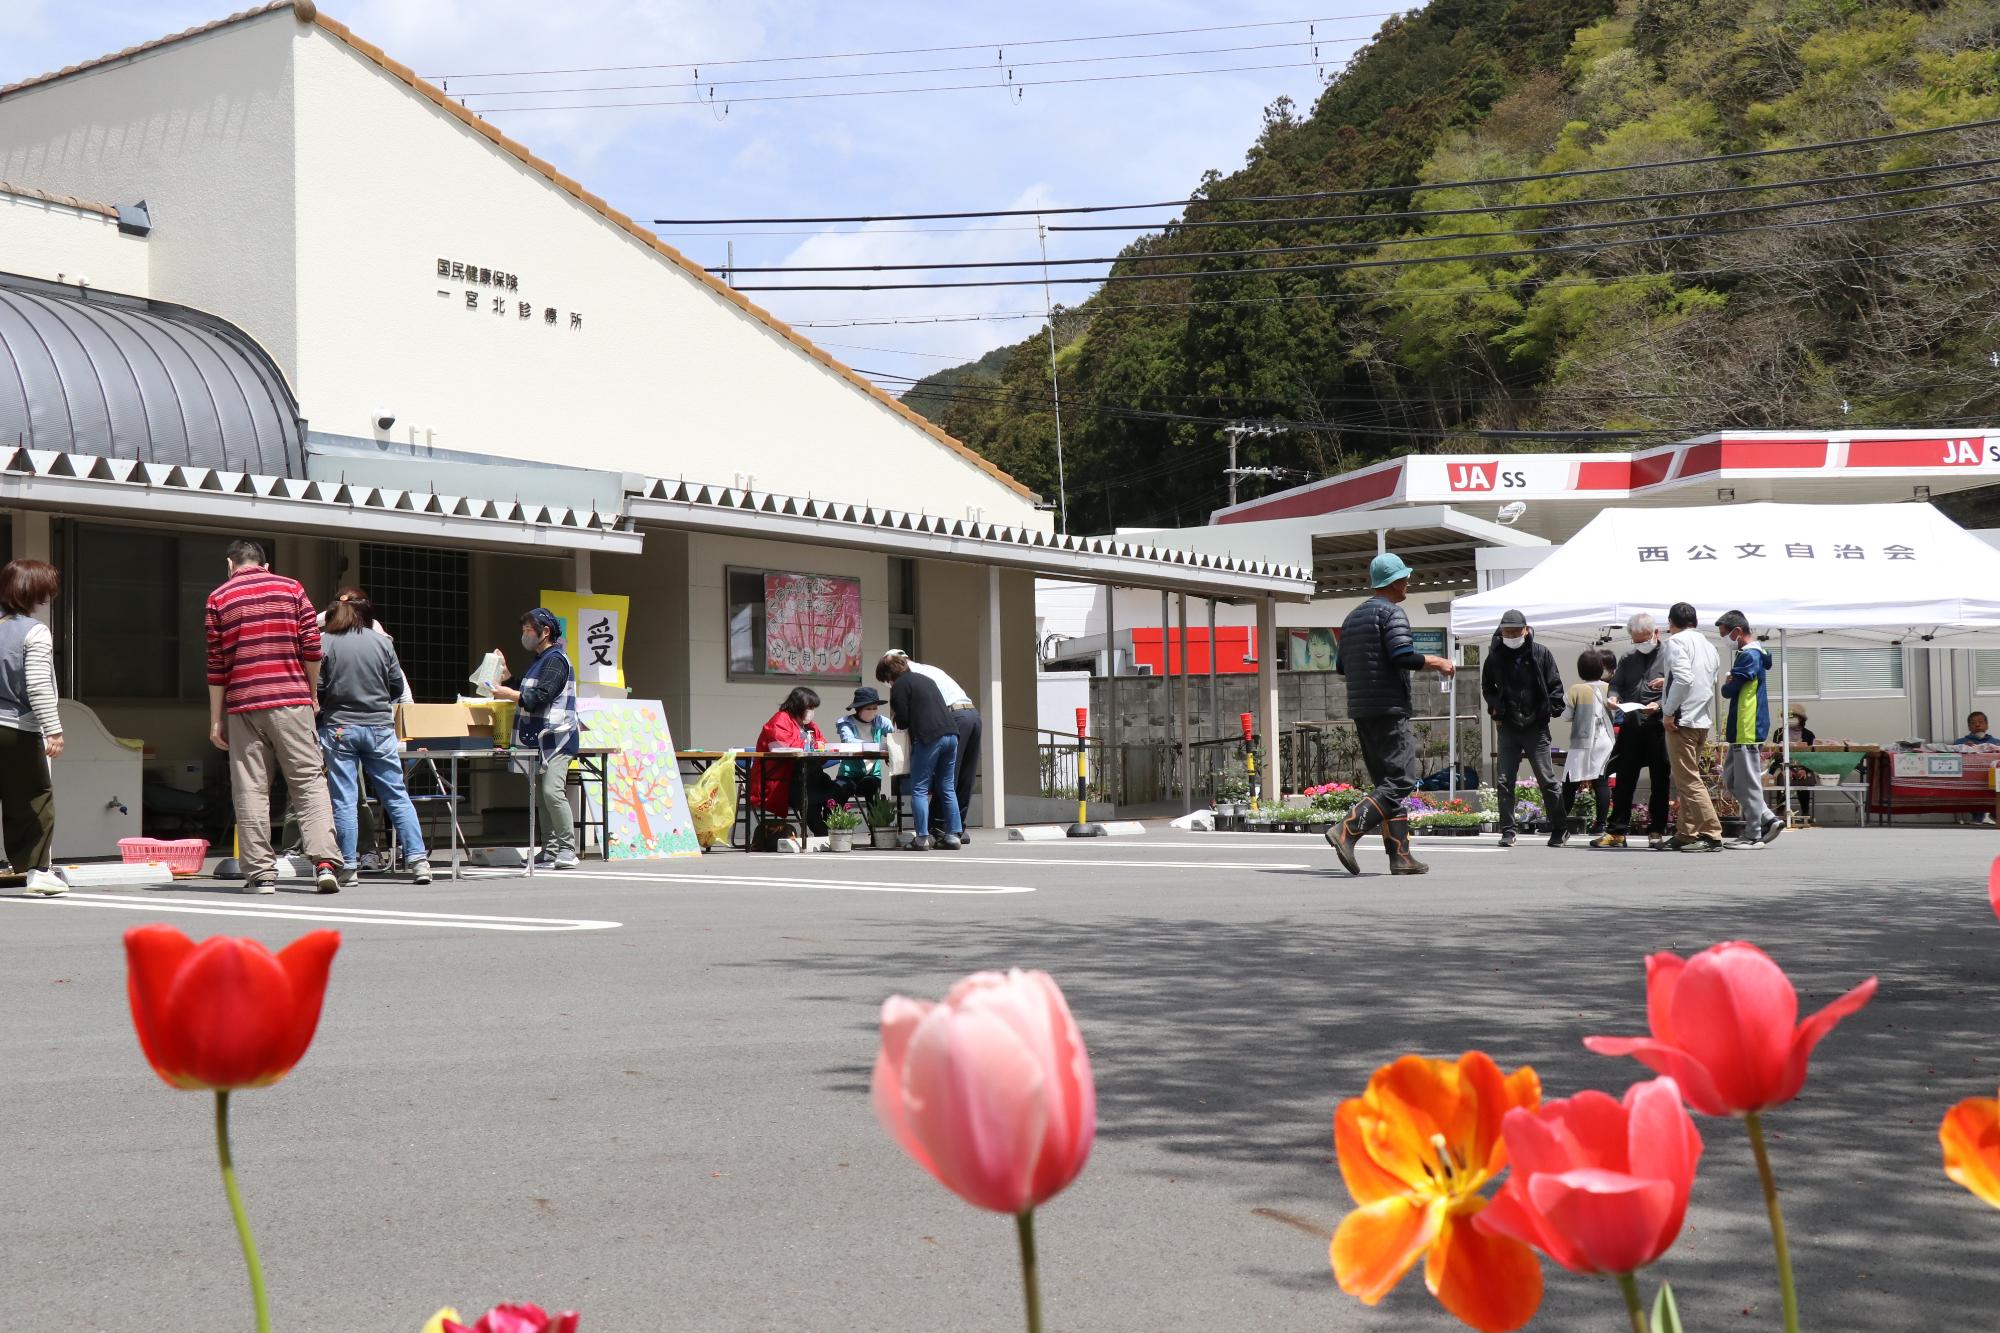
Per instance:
{"type": "Point", "coordinates": [1377, 655]}
{"type": "Point", "coordinates": [1523, 691]}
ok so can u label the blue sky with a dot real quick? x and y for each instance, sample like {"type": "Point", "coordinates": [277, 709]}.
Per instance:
{"type": "Point", "coordinates": [1057, 144]}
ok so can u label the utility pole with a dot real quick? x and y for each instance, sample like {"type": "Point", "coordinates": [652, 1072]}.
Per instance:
{"type": "Point", "coordinates": [1055, 383]}
{"type": "Point", "coordinates": [1236, 433]}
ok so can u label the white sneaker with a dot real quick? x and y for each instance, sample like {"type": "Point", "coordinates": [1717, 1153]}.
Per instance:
{"type": "Point", "coordinates": [46, 884]}
{"type": "Point", "coordinates": [261, 886]}
{"type": "Point", "coordinates": [420, 872]}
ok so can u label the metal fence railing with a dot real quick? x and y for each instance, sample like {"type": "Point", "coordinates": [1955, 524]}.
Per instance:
{"type": "Point", "coordinates": [1309, 754]}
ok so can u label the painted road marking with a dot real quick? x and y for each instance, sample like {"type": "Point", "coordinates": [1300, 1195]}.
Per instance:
{"type": "Point", "coordinates": [959, 858]}
{"type": "Point", "coordinates": [762, 881]}
{"type": "Point", "coordinates": [328, 913]}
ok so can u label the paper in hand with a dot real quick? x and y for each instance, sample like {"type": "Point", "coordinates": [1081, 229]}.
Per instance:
{"type": "Point", "coordinates": [492, 669]}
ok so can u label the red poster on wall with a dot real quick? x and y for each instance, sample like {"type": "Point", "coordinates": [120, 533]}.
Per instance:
{"type": "Point", "coordinates": [812, 625]}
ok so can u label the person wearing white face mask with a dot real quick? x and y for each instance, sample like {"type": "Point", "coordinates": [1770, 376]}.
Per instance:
{"type": "Point", "coordinates": [1640, 679]}
{"type": "Point", "coordinates": [1688, 707]}
{"type": "Point", "coordinates": [1523, 691]}
{"type": "Point", "coordinates": [547, 721]}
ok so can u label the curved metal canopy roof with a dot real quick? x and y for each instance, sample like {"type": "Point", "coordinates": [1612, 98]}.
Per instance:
{"type": "Point", "coordinates": [120, 377]}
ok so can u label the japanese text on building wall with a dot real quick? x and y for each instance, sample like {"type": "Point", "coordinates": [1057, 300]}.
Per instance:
{"type": "Point", "coordinates": [493, 300]}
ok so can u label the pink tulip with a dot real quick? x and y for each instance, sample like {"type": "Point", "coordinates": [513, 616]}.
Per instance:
{"type": "Point", "coordinates": [1725, 1027]}
{"type": "Point", "coordinates": [990, 1090]}
{"type": "Point", "coordinates": [1599, 1186]}
{"type": "Point", "coordinates": [1993, 885]}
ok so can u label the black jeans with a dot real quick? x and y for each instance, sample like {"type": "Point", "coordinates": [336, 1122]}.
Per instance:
{"type": "Point", "coordinates": [971, 729]}
{"type": "Point", "coordinates": [1641, 748]}
{"type": "Point", "coordinates": [1389, 749]}
{"type": "Point", "coordinates": [1599, 791]}
{"type": "Point", "coordinates": [1512, 745]}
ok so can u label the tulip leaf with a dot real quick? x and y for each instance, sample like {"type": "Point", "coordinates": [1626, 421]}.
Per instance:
{"type": "Point", "coordinates": [1666, 1315]}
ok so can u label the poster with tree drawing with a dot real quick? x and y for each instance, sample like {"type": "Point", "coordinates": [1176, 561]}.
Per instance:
{"type": "Point", "coordinates": [649, 815]}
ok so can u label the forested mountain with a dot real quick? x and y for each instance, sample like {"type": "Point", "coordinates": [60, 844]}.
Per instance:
{"type": "Point", "coordinates": [1628, 322]}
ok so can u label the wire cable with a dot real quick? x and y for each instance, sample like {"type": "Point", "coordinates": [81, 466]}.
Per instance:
{"type": "Point", "coordinates": [1358, 192]}
{"type": "Point", "coordinates": [1009, 66]}
{"type": "Point", "coordinates": [1004, 86]}
{"type": "Point", "coordinates": [1349, 265]}
{"type": "Point", "coordinates": [1546, 206]}
{"type": "Point", "coordinates": [921, 50]}
{"type": "Point", "coordinates": [1428, 239]}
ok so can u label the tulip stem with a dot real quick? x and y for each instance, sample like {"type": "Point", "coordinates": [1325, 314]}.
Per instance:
{"type": "Point", "coordinates": [250, 1260]}
{"type": "Point", "coordinates": [1633, 1305]}
{"type": "Point", "coordinates": [1786, 1288]}
{"type": "Point", "coordinates": [1024, 1226]}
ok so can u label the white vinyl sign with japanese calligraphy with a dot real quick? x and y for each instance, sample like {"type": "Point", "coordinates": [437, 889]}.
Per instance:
{"type": "Point", "coordinates": [1892, 570]}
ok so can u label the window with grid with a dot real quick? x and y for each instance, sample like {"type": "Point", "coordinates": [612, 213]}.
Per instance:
{"type": "Point", "coordinates": [1832, 673]}
{"type": "Point", "coordinates": [1986, 671]}
{"type": "Point", "coordinates": [423, 597]}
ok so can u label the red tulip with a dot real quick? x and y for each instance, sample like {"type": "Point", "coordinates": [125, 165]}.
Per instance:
{"type": "Point", "coordinates": [989, 1091]}
{"type": "Point", "coordinates": [1993, 885]}
{"type": "Point", "coordinates": [513, 1319]}
{"type": "Point", "coordinates": [225, 1013]}
{"type": "Point", "coordinates": [1725, 1027]}
{"type": "Point", "coordinates": [1599, 1186]}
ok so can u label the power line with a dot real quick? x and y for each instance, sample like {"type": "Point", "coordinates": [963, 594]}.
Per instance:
{"type": "Point", "coordinates": [1538, 281]}
{"type": "Point", "coordinates": [1004, 86]}
{"type": "Point", "coordinates": [1346, 265]}
{"type": "Point", "coordinates": [1429, 239]}
{"type": "Point", "coordinates": [921, 50]}
{"type": "Point", "coordinates": [1361, 191]}
{"type": "Point", "coordinates": [1008, 65]}
{"type": "Point", "coordinates": [1544, 207]}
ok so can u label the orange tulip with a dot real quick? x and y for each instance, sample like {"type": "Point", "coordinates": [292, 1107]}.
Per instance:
{"type": "Point", "coordinates": [1415, 1150]}
{"type": "Point", "coordinates": [1971, 1137]}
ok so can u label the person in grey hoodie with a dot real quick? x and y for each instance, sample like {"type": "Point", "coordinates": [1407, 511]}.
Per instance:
{"type": "Point", "coordinates": [360, 683]}
{"type": "Point", "coordinates": [1689, 711]}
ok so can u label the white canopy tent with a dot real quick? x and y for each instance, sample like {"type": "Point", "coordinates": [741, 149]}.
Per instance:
{"type": "Point", "coordinates": [1872, 573]}
{"type": "Point", "coordinates": [1880, 573]}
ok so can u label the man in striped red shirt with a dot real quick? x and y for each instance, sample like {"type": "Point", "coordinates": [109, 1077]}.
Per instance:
{"type": "Point", "coordinates": [263, 696]}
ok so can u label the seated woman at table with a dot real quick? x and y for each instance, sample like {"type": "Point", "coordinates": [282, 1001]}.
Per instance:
{"type": "Point", "coordinates": [774, 782]}
{"type": "Point", "coordinates": [360, 683]}
{"type": "Point", "coordinates": [1803, 779]}
{"type": "Point", "coordinates": [864, 724]}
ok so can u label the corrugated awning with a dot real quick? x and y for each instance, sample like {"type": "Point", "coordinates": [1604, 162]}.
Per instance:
{"type": "Point", "coordinates": [120, 377]}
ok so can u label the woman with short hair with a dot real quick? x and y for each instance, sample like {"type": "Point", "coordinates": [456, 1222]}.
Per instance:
{"type": "Point", "coordinates": [360, 683]}
{"type": "Point", "coordinates": [31, 731]}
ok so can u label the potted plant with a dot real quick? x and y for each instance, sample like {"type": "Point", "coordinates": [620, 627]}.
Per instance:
{"type": "Point", "coordinates": [840, 825]}
{"type": "Point", "coordinates": [882, 823]}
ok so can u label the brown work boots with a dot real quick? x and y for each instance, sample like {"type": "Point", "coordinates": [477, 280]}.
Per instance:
{"type": "Point", "coordinates": [1365, 816]}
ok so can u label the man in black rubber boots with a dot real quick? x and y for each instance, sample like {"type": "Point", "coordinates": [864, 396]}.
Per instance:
{"type": "Point", "coordinates": [1523, 692]}
{"type": "Point", "coordinates": [1377, 654]}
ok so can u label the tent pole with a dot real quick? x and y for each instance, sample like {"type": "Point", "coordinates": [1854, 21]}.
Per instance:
{"type": "Point", "coordinates": [1785, 703]}
{"type": "Point", "coordinates": [1451, 690]}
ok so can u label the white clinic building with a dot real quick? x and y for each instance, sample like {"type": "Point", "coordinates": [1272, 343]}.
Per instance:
{"type": "Point", "coordinates": [260, 279]}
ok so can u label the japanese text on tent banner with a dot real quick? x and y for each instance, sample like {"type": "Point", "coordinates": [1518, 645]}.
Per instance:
{"type": "Point", "coordinates": [1655, 555]}
{"type": "Point", "coordinates": [812, 625]}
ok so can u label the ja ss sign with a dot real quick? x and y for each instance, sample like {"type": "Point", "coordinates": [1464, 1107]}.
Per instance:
{"type": "Point", "coordinates": [1483, 477]}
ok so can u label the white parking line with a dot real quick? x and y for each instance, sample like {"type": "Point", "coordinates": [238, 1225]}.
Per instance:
{"type": "Point", "coordinates": [959, 858]}
{"type": "Point", "coordinates": [805, 882]}
{"type": "Point", "coordinates": [327, 914]}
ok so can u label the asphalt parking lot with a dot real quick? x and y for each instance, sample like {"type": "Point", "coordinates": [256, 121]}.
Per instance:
{"type": "Point", "coordinates": [642, 1092]}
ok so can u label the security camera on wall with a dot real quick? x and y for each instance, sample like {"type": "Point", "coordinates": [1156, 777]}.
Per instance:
{"type": "Point", "coordinates": [384, 420]}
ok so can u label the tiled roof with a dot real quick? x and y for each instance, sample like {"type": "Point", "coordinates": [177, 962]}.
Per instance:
{"type": "Point", "coordinates": [358, 499]}
{"type": "Point", "coordinates": [308, 12]}
{"type": "Point", "coordinates": [66, 200]}
{"type": "Point", "coordinates": [889, 521]}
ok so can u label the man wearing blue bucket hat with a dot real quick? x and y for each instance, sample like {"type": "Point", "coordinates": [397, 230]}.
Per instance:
{"type": "Point", "coordinates": [1377, 655]}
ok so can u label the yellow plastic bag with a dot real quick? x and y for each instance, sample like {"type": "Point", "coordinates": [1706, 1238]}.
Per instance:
{"type": "Point", "coordinates": [712, 801]}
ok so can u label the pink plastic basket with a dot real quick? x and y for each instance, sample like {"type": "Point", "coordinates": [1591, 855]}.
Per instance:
{"type": "Point", "coordinates": [182, 855]}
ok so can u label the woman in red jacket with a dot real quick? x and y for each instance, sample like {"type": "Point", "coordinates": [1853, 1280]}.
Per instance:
{"type": "Point", "coordinates": [774, 782]}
